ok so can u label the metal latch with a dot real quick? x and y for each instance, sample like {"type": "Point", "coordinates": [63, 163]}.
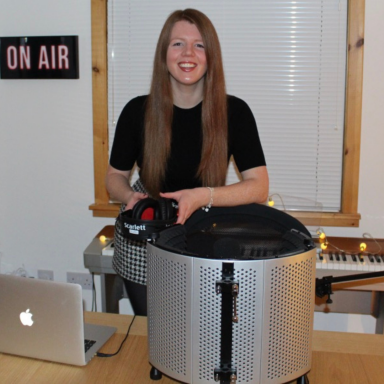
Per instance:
{"type": "Point", "coordinates": [232, 287]}
{"type": "Point", "coordinates": [225, 375]}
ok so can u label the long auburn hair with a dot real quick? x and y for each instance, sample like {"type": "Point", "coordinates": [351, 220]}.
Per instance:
{"type": "Point", "coordinates": [159, 110]}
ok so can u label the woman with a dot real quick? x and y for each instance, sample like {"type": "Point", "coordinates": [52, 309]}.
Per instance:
{"type": "Point", "coordinates": [181, 136]}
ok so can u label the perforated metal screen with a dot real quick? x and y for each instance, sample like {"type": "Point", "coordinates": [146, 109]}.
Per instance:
{"type": "Point", "coordinates": [288, 330]}
{"type": "Point", "coordinates": [271, 341]}
{"type": "Point", "coordinates": [169, 316]}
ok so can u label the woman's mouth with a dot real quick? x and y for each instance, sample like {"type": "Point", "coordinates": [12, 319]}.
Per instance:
{"type": "Point", "coordinates": [187, 66]}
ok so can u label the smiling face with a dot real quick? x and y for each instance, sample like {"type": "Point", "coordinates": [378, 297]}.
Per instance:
{"type": "Point", "coordinates": [186, 60]}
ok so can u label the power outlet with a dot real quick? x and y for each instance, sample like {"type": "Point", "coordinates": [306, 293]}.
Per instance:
{"type": "Point", "coordinates": [43, 274]}
{"type": "Point", "coordinates": [83, 279]}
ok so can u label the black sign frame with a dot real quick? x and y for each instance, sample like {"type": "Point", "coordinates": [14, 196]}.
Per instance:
{"type": "Point", "coordinates": [39, 57]}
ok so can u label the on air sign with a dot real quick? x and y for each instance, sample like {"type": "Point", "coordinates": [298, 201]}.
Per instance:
{"type": "Point", "coordinates": [39, 57]}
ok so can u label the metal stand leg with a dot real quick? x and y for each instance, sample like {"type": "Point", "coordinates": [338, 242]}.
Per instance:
{"type": "Point", "coordinates": [302, 380]}
{"type": "Point", "coordinates": [155, 374]}
{"type": "Point", "coordinates": [111, 292]}
{"type": "Point", "coordinates": [378, 311]}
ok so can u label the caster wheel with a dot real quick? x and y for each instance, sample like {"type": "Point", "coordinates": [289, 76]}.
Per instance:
{"type": "Point", "coordinates": [303, 380]}
{"type": "Point", "coordinates": [155, 374]}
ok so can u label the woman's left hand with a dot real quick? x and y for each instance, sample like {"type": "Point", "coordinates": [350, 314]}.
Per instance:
{"type": "Point", "coordinates": [253, 188]}
{"type": "Point", "coordinates": [189, 200]}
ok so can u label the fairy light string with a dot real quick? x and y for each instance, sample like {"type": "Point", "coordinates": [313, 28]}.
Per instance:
{"type": "Point", "coordinates": [325, 243]}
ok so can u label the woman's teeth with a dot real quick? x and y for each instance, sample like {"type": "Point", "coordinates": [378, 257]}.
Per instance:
{"type": "Point", "coordinates": [187, 65]}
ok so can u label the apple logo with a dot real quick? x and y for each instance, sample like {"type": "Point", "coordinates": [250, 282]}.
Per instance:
{"type": "Point", "coordinates": [26, 318]}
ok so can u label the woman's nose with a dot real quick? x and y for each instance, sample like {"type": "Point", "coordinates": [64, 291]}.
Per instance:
{"type": "Point", "coordinates": [188, 50]}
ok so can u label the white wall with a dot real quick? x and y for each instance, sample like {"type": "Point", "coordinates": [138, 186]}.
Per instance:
{"type": "Point", "coordinates": [46, 150]}
{"type": "Point", "coordinates": [46, 153]}
{"type": "Point", "coordinates": [371, 190]}
{"type": "Point", "coordinates": [371, 195]}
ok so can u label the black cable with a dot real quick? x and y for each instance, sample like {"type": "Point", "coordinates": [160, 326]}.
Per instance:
{"type": "Point", "coordinates": [94, 302]}
{"type": "Point", "coordinates": [99, 354]}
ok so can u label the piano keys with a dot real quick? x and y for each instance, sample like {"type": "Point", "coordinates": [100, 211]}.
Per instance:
{"type": "Point", "coordinates": [356, 262]}
{"type": "Point", "coordinates": [109, 249]}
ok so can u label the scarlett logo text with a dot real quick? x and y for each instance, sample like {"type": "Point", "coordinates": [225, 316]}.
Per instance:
{"type": "Point", "coordinates": [134, 227]}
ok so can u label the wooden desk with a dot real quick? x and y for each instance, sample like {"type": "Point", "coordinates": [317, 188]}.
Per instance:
{"type": "Point", "coordinates": [338, 358]}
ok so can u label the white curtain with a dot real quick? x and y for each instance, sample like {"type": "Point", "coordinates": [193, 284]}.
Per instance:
{"type": "Point", "coordinates": [286, 59]}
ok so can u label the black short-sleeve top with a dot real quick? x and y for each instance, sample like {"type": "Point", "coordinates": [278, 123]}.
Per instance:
{"type": "Point", "coordinates": [243, 141]}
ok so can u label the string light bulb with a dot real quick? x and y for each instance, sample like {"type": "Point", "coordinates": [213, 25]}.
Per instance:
{"type": "Point", "coordinates": [102, 238]}
{"type": "Point", "coordinates": [323, 238]}
{"type": "Point", "coordinates": [363, 247]}
{"type": "Point", "coordinates": [271, 203]}
{"type": "Point", "coordinates": [321, 234]}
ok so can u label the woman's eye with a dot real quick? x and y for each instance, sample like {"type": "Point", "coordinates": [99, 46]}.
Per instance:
{"type": "Point", "coordinates": [177, 44]}
{"type": "Point", "coordinates": [200, 46]}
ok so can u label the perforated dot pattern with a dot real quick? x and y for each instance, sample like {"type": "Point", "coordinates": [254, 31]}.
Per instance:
{"type": "Point", "coordinates": [167, 312]}
{"type": "Point", "coordinates": [272, 340]}
{"type": "Point", "coordinates": [209, 323]}
{"type": "Point", "coordinates": [290, 319]}
{"type": "Point", "coordinates": [244, 330]}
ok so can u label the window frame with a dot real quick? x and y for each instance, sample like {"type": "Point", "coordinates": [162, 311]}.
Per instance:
{"type": "Point", "coordinates": [348, 215]}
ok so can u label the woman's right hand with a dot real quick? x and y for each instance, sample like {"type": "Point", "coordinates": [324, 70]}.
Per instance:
{"type": "Point", "coordinates": [119, 188]}
{"type": "Point", "coordinates": [135, 197]}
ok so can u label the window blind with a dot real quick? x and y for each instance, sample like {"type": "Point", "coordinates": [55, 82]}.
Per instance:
{"type": "Point", "coordinates": [286, 59]}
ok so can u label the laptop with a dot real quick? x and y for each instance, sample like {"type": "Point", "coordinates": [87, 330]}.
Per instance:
{"type": "Point", "coordinates": [43, 319]}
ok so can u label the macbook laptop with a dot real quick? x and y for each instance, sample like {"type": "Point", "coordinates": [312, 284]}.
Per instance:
{"type": "Point", "coordinates": [44, 320]}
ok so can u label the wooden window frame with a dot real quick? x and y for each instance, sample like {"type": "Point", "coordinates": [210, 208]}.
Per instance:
{"type": "Point", "coordinates": [348, 215]}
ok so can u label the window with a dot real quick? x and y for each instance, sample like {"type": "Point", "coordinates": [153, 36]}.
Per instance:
{"type": "Point", "coordinates": [345, 214]}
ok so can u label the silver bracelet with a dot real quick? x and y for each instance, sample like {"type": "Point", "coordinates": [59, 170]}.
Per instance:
{"type": "Point", "coordinates": [207, 207]}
